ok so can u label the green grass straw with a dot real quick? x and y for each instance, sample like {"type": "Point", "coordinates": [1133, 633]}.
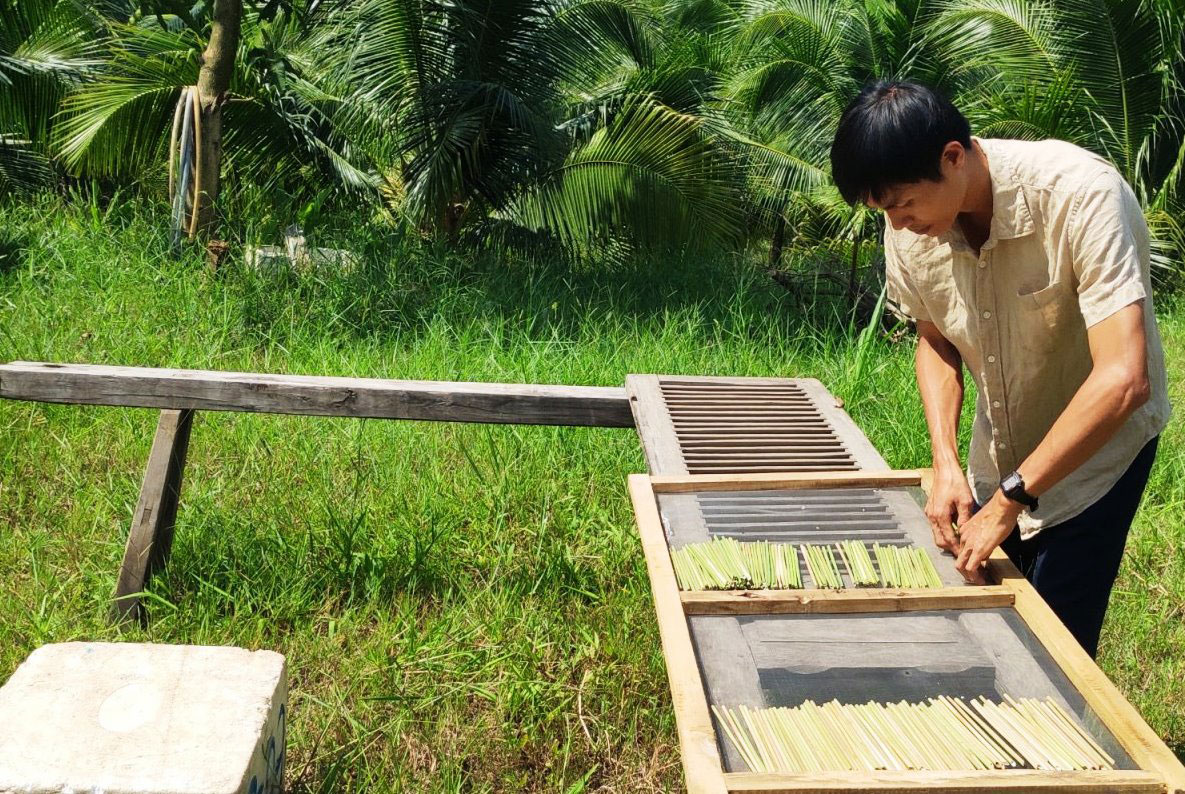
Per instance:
{"type": "Point", "coordinates": [728, 564]}
{"type": "Point", "coordinates": [940, 734]}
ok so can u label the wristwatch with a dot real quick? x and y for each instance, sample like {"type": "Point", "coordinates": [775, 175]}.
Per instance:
{"type": "Point", "coordinates": [1013, 487]}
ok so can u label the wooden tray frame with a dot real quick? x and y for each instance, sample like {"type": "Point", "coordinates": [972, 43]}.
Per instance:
{"type": "Point", "coordinates": [1159, 770]}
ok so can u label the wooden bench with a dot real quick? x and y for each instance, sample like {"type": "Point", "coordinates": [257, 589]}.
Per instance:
{"type": "Point", "coordinates": [179, 393]}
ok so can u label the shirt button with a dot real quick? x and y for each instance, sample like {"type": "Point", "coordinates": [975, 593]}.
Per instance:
{"type": "Point", "coordinates": [1002, 445]}
{"type": "Point", "coordinates": [982, 265]}
{"type": "Point", "coordinates": [995, 403]}
{"type": "Point", "coordinates": [991, 359]}
{"type": "Point", "coordinates": [987, 315]}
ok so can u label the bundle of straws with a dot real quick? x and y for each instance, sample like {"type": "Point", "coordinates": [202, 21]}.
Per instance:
{"type": "Point", "coordinates": [941, 734]}
{"type": "Point", "coordinates": [727, 564]}
{"type": "Point", "coordinates": [905, 567]}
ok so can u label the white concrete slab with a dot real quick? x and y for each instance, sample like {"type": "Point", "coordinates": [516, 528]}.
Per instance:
{"type": "Point", "coordinates": [127, 718]}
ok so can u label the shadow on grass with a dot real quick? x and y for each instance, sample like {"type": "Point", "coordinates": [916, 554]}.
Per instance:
{"type": "Point", "coordinates": [402, 287]}
{"type": "Point", "coordinates": [14, 248]}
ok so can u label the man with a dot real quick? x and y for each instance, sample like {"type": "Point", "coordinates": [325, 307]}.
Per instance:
{"type": "Point", "coordinates": [1027, 263]}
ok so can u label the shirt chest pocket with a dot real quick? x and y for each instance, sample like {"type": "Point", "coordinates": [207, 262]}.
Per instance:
{"type": "Point", "coordinates": [1049, 303]}
{"type": "Point", "coordinates": [1042, 319]}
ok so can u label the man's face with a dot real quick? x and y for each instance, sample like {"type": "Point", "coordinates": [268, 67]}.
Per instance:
{"type": "Point", "coordinates": [927, 207]}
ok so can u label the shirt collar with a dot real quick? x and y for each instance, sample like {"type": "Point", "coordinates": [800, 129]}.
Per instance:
{"type": "Point", "coordinates": [1010, 209]}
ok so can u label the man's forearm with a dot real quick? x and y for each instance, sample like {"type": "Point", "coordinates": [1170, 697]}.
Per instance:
{"type": "Point", "coordinates": [939, 371]}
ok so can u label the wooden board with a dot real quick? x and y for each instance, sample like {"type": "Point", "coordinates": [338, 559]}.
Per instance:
{"type": "Point", "coordinates": [697, 736]}
{"type": "Point", "coordinates": [703, 483]}
{"type": "Point", "coordinates": [729, 425]}
{"type": "Point", "coordinates": [1006, 781]}
{"type": "Point", "coordinates": [820, 602]}
{"type": "Point", "coordinates": [376, 398]}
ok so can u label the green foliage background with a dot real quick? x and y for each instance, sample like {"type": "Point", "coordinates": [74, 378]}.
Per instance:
{"type": "Point", "coordinates": [587, 127]}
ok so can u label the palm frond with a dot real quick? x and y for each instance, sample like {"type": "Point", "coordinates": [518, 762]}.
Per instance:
{"type": "Point", "coordinates": [115, 122]}
{"type": "Point", "coordinates": [1020, 38]}
{"type": "Point", "coordinates": [651, 173]}
{"type": "Point", "coordinates": [23, 169]}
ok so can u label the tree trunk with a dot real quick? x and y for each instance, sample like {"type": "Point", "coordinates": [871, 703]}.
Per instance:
{"type": "Point", "coordinates": [778, 241]}
{"type": "Point", "coordinates": [218, 61]}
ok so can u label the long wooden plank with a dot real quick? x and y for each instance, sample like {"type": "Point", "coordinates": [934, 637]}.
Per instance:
{"type": "Point", "coordinates": [1004, 781]}
{"type": "Point", "coordinates": [697, 737]}
{"type": "Point", "coordinates": [719, 643]}
{"type": "Point", "coordinates": [151, 536]}
{"type": "Point", "coordinates": [796, 602]}
{"type": "Point", "coordinates": [864, 478]}
{"type": "Point", "coordinates": [728, 458]}
{"type": "Point", "coordinates": [377, 398]}
{"type": "Point", "coordinates": [1134, 734]}
{"type": "Point", "coordinates": [770, 468]}
{"type": "Point", "coordinates": [771, 437]}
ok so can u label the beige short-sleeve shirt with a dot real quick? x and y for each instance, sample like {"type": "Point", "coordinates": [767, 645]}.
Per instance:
{"type": "Point", "coordinates": [1068, 247]}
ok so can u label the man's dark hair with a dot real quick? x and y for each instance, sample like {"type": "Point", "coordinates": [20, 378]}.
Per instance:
{"type": "Point", "coordinates": [891, 134]}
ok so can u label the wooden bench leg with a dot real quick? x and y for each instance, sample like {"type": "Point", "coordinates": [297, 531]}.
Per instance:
{"type": "Point", "coordinates": [151, 535]}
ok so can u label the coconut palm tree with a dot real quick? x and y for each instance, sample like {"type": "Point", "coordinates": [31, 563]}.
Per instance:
{"type": "Point", "coordinates": [573, 119]}
{"type": "Point", "coordinates": [1105, 74]}
{"type": "Point", "coordinates": [274, 125]}
{"type": "Point", "coordinates": [46, 47]}
{"type": "Point", "coordinates": [1101, 73]}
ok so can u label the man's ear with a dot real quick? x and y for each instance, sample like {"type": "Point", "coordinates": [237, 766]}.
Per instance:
{"type": "Point", "coordinates": [954, 155]}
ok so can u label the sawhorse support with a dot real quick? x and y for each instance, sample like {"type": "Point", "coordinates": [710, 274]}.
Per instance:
{"type": "Point", "coordinates": [151, 535]}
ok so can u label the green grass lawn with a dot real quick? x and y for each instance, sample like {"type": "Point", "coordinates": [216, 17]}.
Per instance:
{"type": "Point", "coordinates": [463, 607]}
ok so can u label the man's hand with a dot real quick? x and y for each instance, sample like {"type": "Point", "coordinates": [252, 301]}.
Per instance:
{"type": "Point", "coordinates": [983, 533]}
{"type": "Point", "coordinates": [950, 503]}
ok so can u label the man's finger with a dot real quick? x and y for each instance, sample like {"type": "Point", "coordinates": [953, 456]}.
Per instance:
{"type": "Point", "coordinates": [940, 526]}
{"type": "Point", "coordinates": [975, 561]}
{"type": "Point", "coordinates": [979, 576]}
{"type": "Point", "coordinates": [961, 562]}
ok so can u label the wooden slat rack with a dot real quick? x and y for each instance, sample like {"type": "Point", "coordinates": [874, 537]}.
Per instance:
{"type": "Point", "coordinates": [778, 648]}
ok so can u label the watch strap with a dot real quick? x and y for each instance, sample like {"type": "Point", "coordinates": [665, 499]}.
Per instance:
{"type": "Point", "coordinates": [1013, 486]}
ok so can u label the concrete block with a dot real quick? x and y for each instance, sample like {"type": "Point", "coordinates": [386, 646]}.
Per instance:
{"type": "Point", "coordinates": [126, 718]}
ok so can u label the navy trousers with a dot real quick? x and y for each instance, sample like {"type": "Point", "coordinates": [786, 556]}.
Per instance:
{"type": "Point", "coordinates": [1073, 564]}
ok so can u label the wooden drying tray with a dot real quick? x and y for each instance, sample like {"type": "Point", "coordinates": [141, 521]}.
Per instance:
{"type": "Point", "coordinates": [1159, 770]}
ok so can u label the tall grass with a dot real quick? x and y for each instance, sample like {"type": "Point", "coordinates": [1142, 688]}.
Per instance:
{"type": "Point", "coordinates": [463, 607]}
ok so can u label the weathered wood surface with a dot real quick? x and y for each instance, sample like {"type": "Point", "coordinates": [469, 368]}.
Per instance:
{"type": "Point", "coordinates": [654, 425]}
{"type": "Point", "coordinates": [729, 425]}
{"type": "Point", "coordinates": [790, 602]}
{"type": "Point", "coordinates": [697, 737]}
{"type": "Point", "coordinates": [719, 644]}
{"type": "Point", "coordinates": [151, 536]}
{"type": "Point", "coordinates": [376, 398]}
{"type": "Point", "coordinates": [702, 483]}
{"type": "Point", "coordinates": [1005, 781]}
